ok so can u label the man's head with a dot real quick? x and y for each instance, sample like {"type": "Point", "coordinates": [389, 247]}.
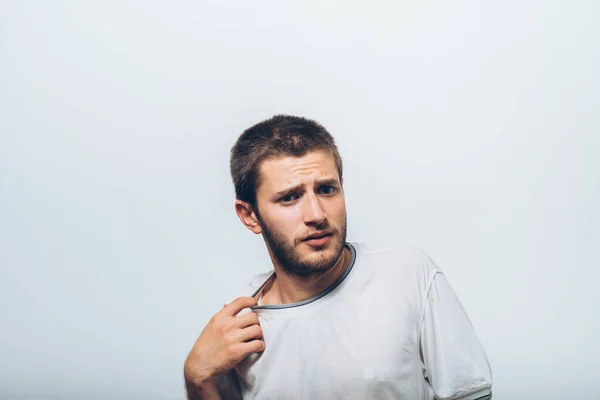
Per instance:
{"type": "Point", "coordinates": [287, 174]}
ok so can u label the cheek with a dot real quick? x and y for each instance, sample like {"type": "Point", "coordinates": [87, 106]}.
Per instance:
{"type": "Point", "coordinates": [285, 220]}
{"type": "Point", "coordinates": [337, 210]}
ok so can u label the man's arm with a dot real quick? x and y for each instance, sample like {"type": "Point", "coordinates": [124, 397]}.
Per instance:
{"type": "Point", "coordinates": [225, 341]}
{"type": "Point", "coordinates": [202, 391]}
{"type": "Point", "coordinates": [454, 361]}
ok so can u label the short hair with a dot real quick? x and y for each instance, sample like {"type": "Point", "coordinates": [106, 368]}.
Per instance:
{"type": "Point", "coordinates": [279, 136]}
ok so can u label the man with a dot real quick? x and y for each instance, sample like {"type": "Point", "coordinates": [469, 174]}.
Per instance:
{"type": "Point", "coordinates": [332, 320]}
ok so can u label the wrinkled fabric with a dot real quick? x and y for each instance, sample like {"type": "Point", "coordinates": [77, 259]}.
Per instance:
{"type": "Point", "coordinates": [393, 328]}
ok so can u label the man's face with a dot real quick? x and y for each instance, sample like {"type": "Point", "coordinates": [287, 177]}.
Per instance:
{"type": "Point", "coordinates": [302, 212]}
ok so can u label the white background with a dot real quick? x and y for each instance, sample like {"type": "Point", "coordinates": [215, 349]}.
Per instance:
{"type": "Point", "coordinates": [470, 130]}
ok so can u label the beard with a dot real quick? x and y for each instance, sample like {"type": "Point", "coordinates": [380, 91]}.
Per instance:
{"type": "Point", "coordinates": [289, 259]}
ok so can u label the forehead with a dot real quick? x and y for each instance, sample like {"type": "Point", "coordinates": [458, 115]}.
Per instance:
{"type": "Point", "coordinates": [280, 172]}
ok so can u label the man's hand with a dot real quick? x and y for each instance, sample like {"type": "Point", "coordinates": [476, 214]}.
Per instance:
{"type": "Point", "coordinates": [224, 342]}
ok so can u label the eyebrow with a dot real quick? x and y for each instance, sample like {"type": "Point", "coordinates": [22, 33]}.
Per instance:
{"type": "Point", "coordinates": [318, 182]}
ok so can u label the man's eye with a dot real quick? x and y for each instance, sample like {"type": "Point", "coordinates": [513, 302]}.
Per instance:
{"type": "Point", "coordinates": [288, 199]}
{"type": "Point", "coordinates": [327, 189]}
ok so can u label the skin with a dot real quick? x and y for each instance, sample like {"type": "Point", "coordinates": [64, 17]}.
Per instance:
{"type": "Point", "coordinates": [298, 197]}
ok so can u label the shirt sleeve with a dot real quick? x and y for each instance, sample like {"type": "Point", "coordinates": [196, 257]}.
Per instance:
{"type": "Point", "coordinates": [454, 362]}
{"type": "Point", "coordinates": [228, 386]}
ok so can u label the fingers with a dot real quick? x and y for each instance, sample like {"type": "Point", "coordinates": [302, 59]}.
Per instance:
{"type": "Point", "coordinates": [253, 346]}
{"type": "Point", "coordinates": [237, 305]}
{"type": "Point", "coordinates": [249, 333]}
{"type": "Point", "coordinates": [247, 320]}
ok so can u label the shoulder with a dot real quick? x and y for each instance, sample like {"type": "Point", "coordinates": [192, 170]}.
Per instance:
{"type": "Point", "coordinates": [407, 256]}
{"type": "Point", "coordinates": [247, 286]}
{"type": "Point", "coordinates": [258, 281]}
{"type": "Point", "coordinates": [403, 262]}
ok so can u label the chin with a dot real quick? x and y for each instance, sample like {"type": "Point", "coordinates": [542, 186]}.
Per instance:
{"type": "Point", "coordinates": [324, 257]}
{"type": "Point", "coordinates": [306, 260]}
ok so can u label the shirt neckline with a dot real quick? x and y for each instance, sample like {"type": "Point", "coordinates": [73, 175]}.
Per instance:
{"type": "Point", "coordinates": [311, 299]}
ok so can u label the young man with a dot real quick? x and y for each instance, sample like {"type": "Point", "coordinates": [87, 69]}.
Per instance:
{"type": "Point", "coordinates": [332, 320]}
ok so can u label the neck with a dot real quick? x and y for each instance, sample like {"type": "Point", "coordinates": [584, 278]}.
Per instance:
{"type": "Point", "coordinates": [286, 288]}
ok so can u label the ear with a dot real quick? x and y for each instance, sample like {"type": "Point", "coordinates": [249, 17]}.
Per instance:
{"type": "Point", "coordinates": [247, 216]}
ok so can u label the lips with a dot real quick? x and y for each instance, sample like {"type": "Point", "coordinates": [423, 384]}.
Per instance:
{"type": "Point", "coordinates": [318, 240]}
{"type": "Point", "coordinates": [318, 235]}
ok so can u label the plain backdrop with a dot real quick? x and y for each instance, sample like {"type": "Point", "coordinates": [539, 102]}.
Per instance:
{"type": "Point", "coordinates": [468, 129]}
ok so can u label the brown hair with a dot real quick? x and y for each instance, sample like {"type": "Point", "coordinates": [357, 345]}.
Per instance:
{"type": "Point", "coordinates": [282, 135]}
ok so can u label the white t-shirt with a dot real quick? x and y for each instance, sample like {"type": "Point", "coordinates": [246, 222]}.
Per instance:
{"type": "Point", "coordinates": [390, 328]}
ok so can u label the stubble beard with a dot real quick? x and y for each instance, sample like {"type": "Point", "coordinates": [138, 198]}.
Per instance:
{"type": "Point", "coordinates": [288, 258]}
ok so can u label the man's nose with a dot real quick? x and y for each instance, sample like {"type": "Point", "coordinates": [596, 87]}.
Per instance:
{"type": "Point", "coordinates": [313, 211]}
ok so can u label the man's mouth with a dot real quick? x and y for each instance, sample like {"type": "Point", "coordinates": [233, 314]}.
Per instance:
{"type": "Point", "coordinates": [318, 239]}
{"type": "Point", "coordinates": [318, 235]}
